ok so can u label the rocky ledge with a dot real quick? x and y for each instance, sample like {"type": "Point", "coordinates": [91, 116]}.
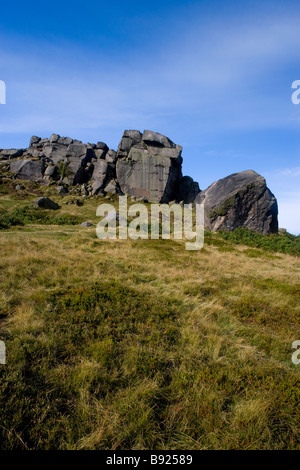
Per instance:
{"type": "Point", "coordinates": [148, 167]}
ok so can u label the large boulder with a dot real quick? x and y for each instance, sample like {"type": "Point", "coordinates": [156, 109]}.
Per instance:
{"type": "Point", "coordinates": [55, 153]}
{"type": "Point", "coordinates": [27, 169]}
{"type": "Point", "coordinates": [187, 191]}
{"type": "Point", "coordinates": [240, 200]}
{"type": "Point", "coordinates": [148, 166]}
{"type": "Point", "coordinates": [75, 150]}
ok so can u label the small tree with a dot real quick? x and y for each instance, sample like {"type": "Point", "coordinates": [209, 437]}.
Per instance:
{"type": "Point", "coordinates": [63, 169]}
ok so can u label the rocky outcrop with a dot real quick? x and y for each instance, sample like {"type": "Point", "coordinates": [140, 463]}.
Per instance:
{"type": "Point", "coordinates": [64, 159]}
{"type": "Point", "coordinates": [146, 166]}
{"type": "Point", "coordinates": [240, 200]}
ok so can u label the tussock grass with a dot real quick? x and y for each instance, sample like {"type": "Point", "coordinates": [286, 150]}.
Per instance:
{"type": "Point", "coordinates": [142, 344]}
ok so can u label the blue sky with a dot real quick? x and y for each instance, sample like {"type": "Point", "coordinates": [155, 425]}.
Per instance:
{"type": "Point", "coordinates": [214, 76]}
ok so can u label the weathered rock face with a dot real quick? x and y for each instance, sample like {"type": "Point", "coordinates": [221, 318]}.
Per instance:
{"type": "Point", "coordinates": [28, 169]}
{"type": "Point", "coordinates": [240, 200]}
{"type": "Point", "coordinates": [148, 166]}
{"type": "Point", "coordinates": [99, 175]}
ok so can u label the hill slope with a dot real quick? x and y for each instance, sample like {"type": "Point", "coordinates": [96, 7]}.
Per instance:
{"type": "Point", "coordinates": [142, 344]}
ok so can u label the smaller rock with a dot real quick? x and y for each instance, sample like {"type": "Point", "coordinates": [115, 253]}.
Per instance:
{"type": "Point", "coordinates": [90, 145]}
{"type": "Point", "coordinates": [86, 224]}
{"type": "Point", "coordinates": [76, 202]}
{"type": "Point", "coordinates": [50, 170]}
{"type": "Point", "coordinates": [84, 190]}
{"type": "Point", "coordinates": [9, 154]}
{"type": "Point", "coordinates": [61, 190]}
{"type": "Point", "coordinates": [54, 138]}
{"type": "Point", "coordinates": [34, 140]}
{"type": "Point", "coordinates": [65, 140]}
{"type": "Point", "coordinates": [45, 203]}
{"type": "Point", "coordinates": [19, 187]}
{"type": "Point", "coordinates": [143, 199]}
{"type": "Point", "coordinates": [99, 153]}
{"type": "Point", "coordinates": [111, 187]}
{"type": "Point", "coordinates": [111, 156]}
{"type": "Point", "coordinates": [102, 146]}
{"type": "Point", "coordinates": [157, 139]}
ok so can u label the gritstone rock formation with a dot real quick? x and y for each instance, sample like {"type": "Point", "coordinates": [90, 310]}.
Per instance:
{"type": "Point", "coordinates": [146, 166]}
{"type": "Point", "coordinates": [240, 200]}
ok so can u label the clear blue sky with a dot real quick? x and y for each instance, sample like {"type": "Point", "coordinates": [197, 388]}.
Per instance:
{"type": "Point", "coordinates": [214, 76]}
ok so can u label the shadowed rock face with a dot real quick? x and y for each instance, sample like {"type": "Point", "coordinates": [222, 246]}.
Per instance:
{"type": "Point", "coordinates": [188, 189]}
{"type": "Point", "coordinates": [240, 200]}
{"type": "Point", "coordinates": [148, 166]}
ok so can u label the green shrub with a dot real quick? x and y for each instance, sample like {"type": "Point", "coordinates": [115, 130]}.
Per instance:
{"type": "Point", "coordinates": [285, 243]}
{"type": "Point", "coordinates": [63, 170]}
{"type": "Point", "coordinates": [30, 215]}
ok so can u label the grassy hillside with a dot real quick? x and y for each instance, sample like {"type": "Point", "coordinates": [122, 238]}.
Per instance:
{"type": "Point", "coordinates": [142, 344]}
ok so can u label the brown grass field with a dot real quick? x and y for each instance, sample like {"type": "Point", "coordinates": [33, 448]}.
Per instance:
{"type": "Point", "coordinates": [142, 344]}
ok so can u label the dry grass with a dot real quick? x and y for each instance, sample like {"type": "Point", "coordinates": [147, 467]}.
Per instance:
{"type": "Point", "coordinates": [188, 351]}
